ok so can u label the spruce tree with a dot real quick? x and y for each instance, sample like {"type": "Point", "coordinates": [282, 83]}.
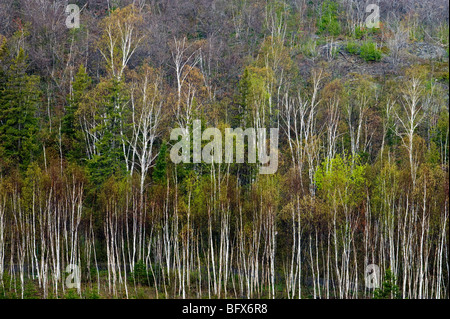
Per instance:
{"type": "Point", "coordinates": [159, 172]}
{"type": "Point", "coordinates": [109, 159]}
{"type": "Point", "coordinates": [19, 97]}
{"type": "Point", "coordinates": [70, 128]}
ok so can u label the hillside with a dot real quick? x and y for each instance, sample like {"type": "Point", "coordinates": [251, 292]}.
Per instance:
{"type": "Point", "coordinates": [115, 136]}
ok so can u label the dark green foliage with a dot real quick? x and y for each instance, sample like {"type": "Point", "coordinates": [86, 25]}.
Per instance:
{"type": "Point", "coordinates": [389, 289]}
{"type": "Point", "coordinates": [215, 229]}
{"type": "Point", "coordinates": [9, 288]}
{"type": "Point", "coordinates": [19, 97]}
{"type": "Point", "coordinates": [440, 135]}
{"type": "Point", "coordinates": [71, 294]}
{"type": "Point", "coordinates": [141, 275]}
{"type": "Point", "coordinates": [108, 159]}
{"type": "Point", "coordinates": [70, 128]}
{"type": "Point", "coordinates": [159, 172]}
{"type": "Point", "coordinates": [241, 107]}
{"type": "Point", "coordinates": [31, 291]}
{"type": "Point", "coordinates": [92, 294]}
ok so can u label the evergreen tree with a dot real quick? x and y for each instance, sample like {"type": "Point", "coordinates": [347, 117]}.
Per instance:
{"type": "Point", "coordinates": [109, 159]}
{"type": "Point", "coordinates": [390, 289]}
{"type": "Point", "coordinates": [159, 173]}
{"type": "Point", "coordinates": [19, 96]}
{"type": "Point", "coordinates": [70, 128]}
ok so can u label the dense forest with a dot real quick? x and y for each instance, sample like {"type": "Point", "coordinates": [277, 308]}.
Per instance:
{"type": "Point", "coordinates": [88, 188]}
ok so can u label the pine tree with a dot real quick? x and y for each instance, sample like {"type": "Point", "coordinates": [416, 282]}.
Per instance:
{"type": "Point", "coordinates": [390, 289]}
{"type": "Point", "coordinates": [159, 172]}
{"type": "Point", "coordinates": [70, 128]}
{"type": "Point", "coordinates": [109, 159]}
{"type": "Point", "coordinates": [19, 96]}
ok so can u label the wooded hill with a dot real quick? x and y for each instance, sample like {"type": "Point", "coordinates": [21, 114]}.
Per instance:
{"type": "Point", "coordinates": [86, 177]}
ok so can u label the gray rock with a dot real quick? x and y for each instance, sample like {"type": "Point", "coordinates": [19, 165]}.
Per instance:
{"type": "Point", "coordinates": [427, 51]}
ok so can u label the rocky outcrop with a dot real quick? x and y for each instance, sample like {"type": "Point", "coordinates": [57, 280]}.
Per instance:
{"type": "Point", "coordinates": [426, 51]}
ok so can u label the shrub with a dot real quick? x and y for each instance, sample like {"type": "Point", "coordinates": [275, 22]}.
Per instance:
{"type": "Point", "coordinates": [370, 52]}
{"type": "Point", "coordinates": [92, 294]}
{"type": "Point", "coordinates": [352, 47]}
{"type": "Point", "coordinates": [30, 291]}
{"type": "Point", "coordinates": [71, 294]}
{"type": "Point", "coordinates": [360, 32]}
{"type": "Point", "coordinates": [309, 48]}
{"type": "Point", "coordinates": [389, 289]}
{"type": "Point", "coordinates": [140, 275]}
